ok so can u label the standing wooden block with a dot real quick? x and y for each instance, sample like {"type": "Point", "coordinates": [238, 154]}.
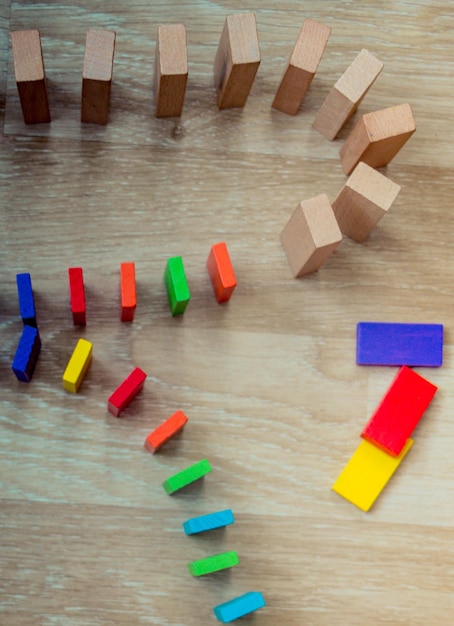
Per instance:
{"type": "Point", "coordinates": [77, 296]}
{"type": "Point", "coordinates": [125, 393]}
{"type": "Point", "coordinates": [378, 137]}
{"type": "Point", "coordinates": [128, 291]}
{"type": "Point", "coordinates": [346, 95]}
{"type": "Point", "coordinates": [77, 365]}
{"type": "Point", "coordinates": [311, 235]}
{"type": "Point", "coordinates": [302, 65]}
{"type": "Point", "coordinates": [97, 76]}
{"type": "Point", "coordinates": [26, 299]}
{"type": "Point", "coordinates": [366, 197]}
{"type": "Point", "coordinates": [221, 272]}
{"type": "Point", "coordinates": [176, 285]}
{"type": "Point", "coordinates": [30, 76]}
{"type": "Point", "coordinates": [237, 60]}
{"type": "Point", "coordinates": [171, 70]}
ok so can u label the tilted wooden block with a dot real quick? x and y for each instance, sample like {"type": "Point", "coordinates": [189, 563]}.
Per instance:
{"type": "Point", "coordinates": [171, 70]}
{"type": "Point", "coordinates": [166, 431]}
{"type": "Point", "coordinates": [77, 296]}
{"type": "Point", "coordinates": [366, 197]}
{"type": "Point", "coordinates": [97, 76]}
{"type": "Point", "coordinates": [30, 76]}
{"type": "Point", "coordinates": [302, 65]}
{"type": "Point", "coordinates": [237, 60]}
{"type": "Point", "coordinates": [347, 93]}
{"type": "Point", "coordinates": [77, 365]}
{"type": "Point", "coordinates": [221, 272]}
{"type": "Point", "coordinates": [311, 235]}
{"type": "Point", "coordinates": [125, 393]}
{"type": "Point", "coordinates": [378, 137]}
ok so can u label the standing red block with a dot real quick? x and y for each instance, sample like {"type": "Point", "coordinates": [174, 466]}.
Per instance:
{"type": "Point", "coordinates": [163, 433]}
{"type": "Point", "coordinates": [126, 392]}
{"type": "Point", "coordinates": [128, 291]}
{"type": "Point", "coordinates": [221, 272]}
{"type": "Point", "coordinates": [399, 411]}
{"type": "Point", "coordinates": [77, 296]}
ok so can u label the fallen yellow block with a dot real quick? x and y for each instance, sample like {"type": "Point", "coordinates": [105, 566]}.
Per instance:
{"type": "Point", "coordinates": [77, 365]}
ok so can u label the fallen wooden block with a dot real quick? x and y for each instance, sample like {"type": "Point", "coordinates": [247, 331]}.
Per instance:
{"type": "Point", "coordinates": [30, 76]}
{"type": "Point", "coordinates": [26, 299]}
{"type": "Point", "coordinates": [187, 476]}
{"type": "Point", "coordinates": [365, 198]}
{"type": "Point", "coordinates": [237, 60]}
{"type": "Point", "coordinates": [97, 76]}
{"type": "Point", "coordinates": [301, 67]}
{"type": "Point", "coordinates": [239, 607]}
{"type": "Point", "coordinates": [214, 563]}
{"type": "Point", "coordinates": [212, 521]}
{"type": "Point", "coordinates": [126, 392]}
{"type": "Point", "coordinates": [176, 285]}
{"type": "Point", "coordinates": [378, 137]}
{"type": "Point", "coordinates": [221, 272]}
{"type": "Point", "coordinates": [77, 365]}
{"type": "Point", "coordinates": [77, 296]}
{"type": "Point", "coordinates": [27, 353]}
{"type": "Point", "coordinates": [171, 70]}
{"type": "Point", "coordinates": [128, 293]}
{"type": "Point", "coordinates": [166, 431]}
{"type": "Point", "coordinates": [311, 235]}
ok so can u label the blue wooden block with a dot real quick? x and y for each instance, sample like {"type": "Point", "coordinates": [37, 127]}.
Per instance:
{"type": "Point", "coordinates": [208, 522]}
{"type": "Point", "coordinates": [242, 605]}
{"type": "Point", "coordinates": [26, 299]}
{"type": "Point", "coordinates": [26, 354]}
{"type": "Point", "coordinates": [387, 343]}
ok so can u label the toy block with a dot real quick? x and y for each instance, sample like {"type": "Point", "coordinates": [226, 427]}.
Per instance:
{"type": "Point", "coordinates": [239, 606]}
{"type": "Point", "coordinates": [399, 412]}
{"type": "Point", "coordinates": [378, 137]}
{"type": "Point", "coordinates": [77, 365]}
{"type": "Point", "coordinates": [97, 76]}
{"type": "Point", "coordinates": [203, 523]}
{"type": "Point", "coordinates": [30, 76]}
{"type": "Point", "coordinates": [214, 563]}
{"type": "Point", "coordinates": [387, 343]}
{"type": "Point", "coordinates": [176, 285]}
{"type": "Point", "coordinates": [186, 476]}
{"type": "Point", "coordinates": [165, 432]}
{"type": "Point", "coordinates": [128, 291]}
{"type": "Point", "coordinates": [171, 70]}
{"type": "Point", "coordinates": [367, 473]}
{"type": "Point", "coordinates": [301, 67]}
{"type": "Point", "coordinates": [237, 60]}
{"type": "Point", "coordinates": [126, 392]}
{"type": "Point", "coordinates": [26, 299]}
{"type": "Point", "coordinates": [365, 198]}
{"type": "Point", "coordinates": [27, 353]}
{"type": "Point", "coordinates": [311, 235]}
{"type": "Point", "coordinates": [77, 296]}
{"type": "Point", "coordinates": [346, 95]}
{"type": "Point", "coordinates": [221, 272]}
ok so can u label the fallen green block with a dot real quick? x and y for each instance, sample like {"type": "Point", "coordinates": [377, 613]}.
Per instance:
{"type": "Point", "coordinates": [186, 476]}
{"type": "Point", "coordinates": [213, 563]}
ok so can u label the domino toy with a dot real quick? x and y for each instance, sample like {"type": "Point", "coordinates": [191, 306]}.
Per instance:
{"type": "Point", "coordinates": [221, 272]}
{"type": "Point", "coordinates": [212, 521]}
{"type": "Point", "coordinates": [166, 431]}
{"type": "Point", "coordinates": [187, 476]}
{"type": "Point", "coordinates": [239, 606]}
{"type": "Point", "coordinates": [77, 365]}
{"type": "Point", "coordinates": [176, 285]}
{"type": "Point", "coordinates": [128, 291]}
{"type": "Point", "coordinates": [122, 397]}
{"type": "Point", "coordinates": [171, 70]}
{"type": "Point", "coordinates": [27, 353]}
{"type": "Point", "coordinates": [26, 299]}
{"type": "Point", "coordinates": [213, 563]}
{"type": "Point", "coordinates": [97, 76]}
{"type": "Point", "coordinates": [77, 296]}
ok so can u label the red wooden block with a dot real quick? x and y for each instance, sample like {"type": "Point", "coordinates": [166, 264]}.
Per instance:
{"type": "Point", "coordinates": [399, 411]}
{"type": "Point", "coordinates": [163, 433]}
{"type": "Point", "coordinates": [221, 272]}
{"type": "Point", "coordinates": [77, 295]}
{"type": "Point", "coordinates": [128, 291]}
{"type": "Point", "coordinates": [126, 392]}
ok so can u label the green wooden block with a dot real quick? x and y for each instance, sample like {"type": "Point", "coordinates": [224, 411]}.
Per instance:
{"type": "Point", "coordinates": [213, 563]}
{"type": "Point", "coordinates": [176, 285]}
{"type": "Point", "coordinates": [186, 476]}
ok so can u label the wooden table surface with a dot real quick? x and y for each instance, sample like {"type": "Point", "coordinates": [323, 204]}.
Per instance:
{"type": "Point", "coordinates": [268, 381]}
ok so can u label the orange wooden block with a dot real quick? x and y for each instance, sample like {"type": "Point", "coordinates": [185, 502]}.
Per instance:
{"type": "Point", "coordinates": [221, 272]}
{"type": "Point", "coordinates": [311, 235]}
{"type": "Point", "coordinates": [97, 75]}
{"type": "Point", "coordinates": [163, 433]}
{"type": "Point", "coordinates": [128, 291]}
{"type": "Point", "coordinates": [302, 65]}
{"type": "Point", "coordinates": [237, 60]}
{"type": "Point", "coordinates": [378, 137]}
{"type": "Point", "coordinates": [346, 95]}
{"type": "Point", "coordinates": [171, 70]}
{"type": "Point", "coordinates": [30, 76]}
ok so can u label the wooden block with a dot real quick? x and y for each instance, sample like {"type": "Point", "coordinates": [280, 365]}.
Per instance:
{"type": "Point", "coordinates": [126, 392]}
{"type": "Point", "coordinates": [239, 607]}
{"type": "Point", "coordinates": [27, 353]}
{"type": "Point", "coordinates": [367, 473]}
{"type": "Point", "coordinates": [365, 198]}
{"type": "Point", "coordinates": [30, 76]}
{"type": "Point", "coordinates": [77, 296]}
{"type": "Point", "coordinates": [212, 521]}
{"type": "Point", "coordinates": [221, 272]}
{"type": "Point", "coordinates": [26, 299]}
{"type": "Point", "coordinates": [378, 137]}
{"type": "Point", "coordinates": [399, 412]}
{"type": "Point", "coordinates": [176, 285]}
{"type": "Point", "coordinates": [301, 67]}
{"type": "Point", "coordinates": [97, 76]}
{"type": "Point", "coordinates": [214, 563]}
{"type": "Point", "coordinates": [237, 60]}
{"type": "Point", "coordinates": [187, 476]}
{"type": "Point", "coordinates": [171, 70]}
{"type": "Point", "coordinates": [166, 431]}
{"type": "Point", "coordinates": [77, 365]}
{"type": "Point", "coordinates": [128, 291]}
{"type": "Point", "coordinates": [347, 93]}
{"type": "Point", "coordinates": [311, 235]}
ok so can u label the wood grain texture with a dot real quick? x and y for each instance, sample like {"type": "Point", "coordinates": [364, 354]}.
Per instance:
{"type": "Point", "coordinates": [268, 381]}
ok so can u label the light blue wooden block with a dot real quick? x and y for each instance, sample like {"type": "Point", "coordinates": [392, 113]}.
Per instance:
{"type": "Point", "coordinates": [208, 522]}
{"type": "Point", "coordinates": [242, 605]}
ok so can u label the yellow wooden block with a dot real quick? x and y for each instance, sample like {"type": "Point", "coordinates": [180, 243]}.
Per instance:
{"type": "Point", "coordinates": [367, 473]}
{"type": "Point", "coordinates": [77, 365]}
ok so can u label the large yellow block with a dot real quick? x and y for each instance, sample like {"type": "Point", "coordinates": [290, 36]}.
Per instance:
{"type": "Point", "coordinates": [77, 365]}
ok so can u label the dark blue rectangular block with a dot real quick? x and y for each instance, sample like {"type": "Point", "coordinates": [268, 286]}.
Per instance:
{"type": "Point", "coordinates": [27, 354]}
{"type": "Point", "coordinates": [387, 343]}
{"type": "Point", "coordinates": [26, 299]}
